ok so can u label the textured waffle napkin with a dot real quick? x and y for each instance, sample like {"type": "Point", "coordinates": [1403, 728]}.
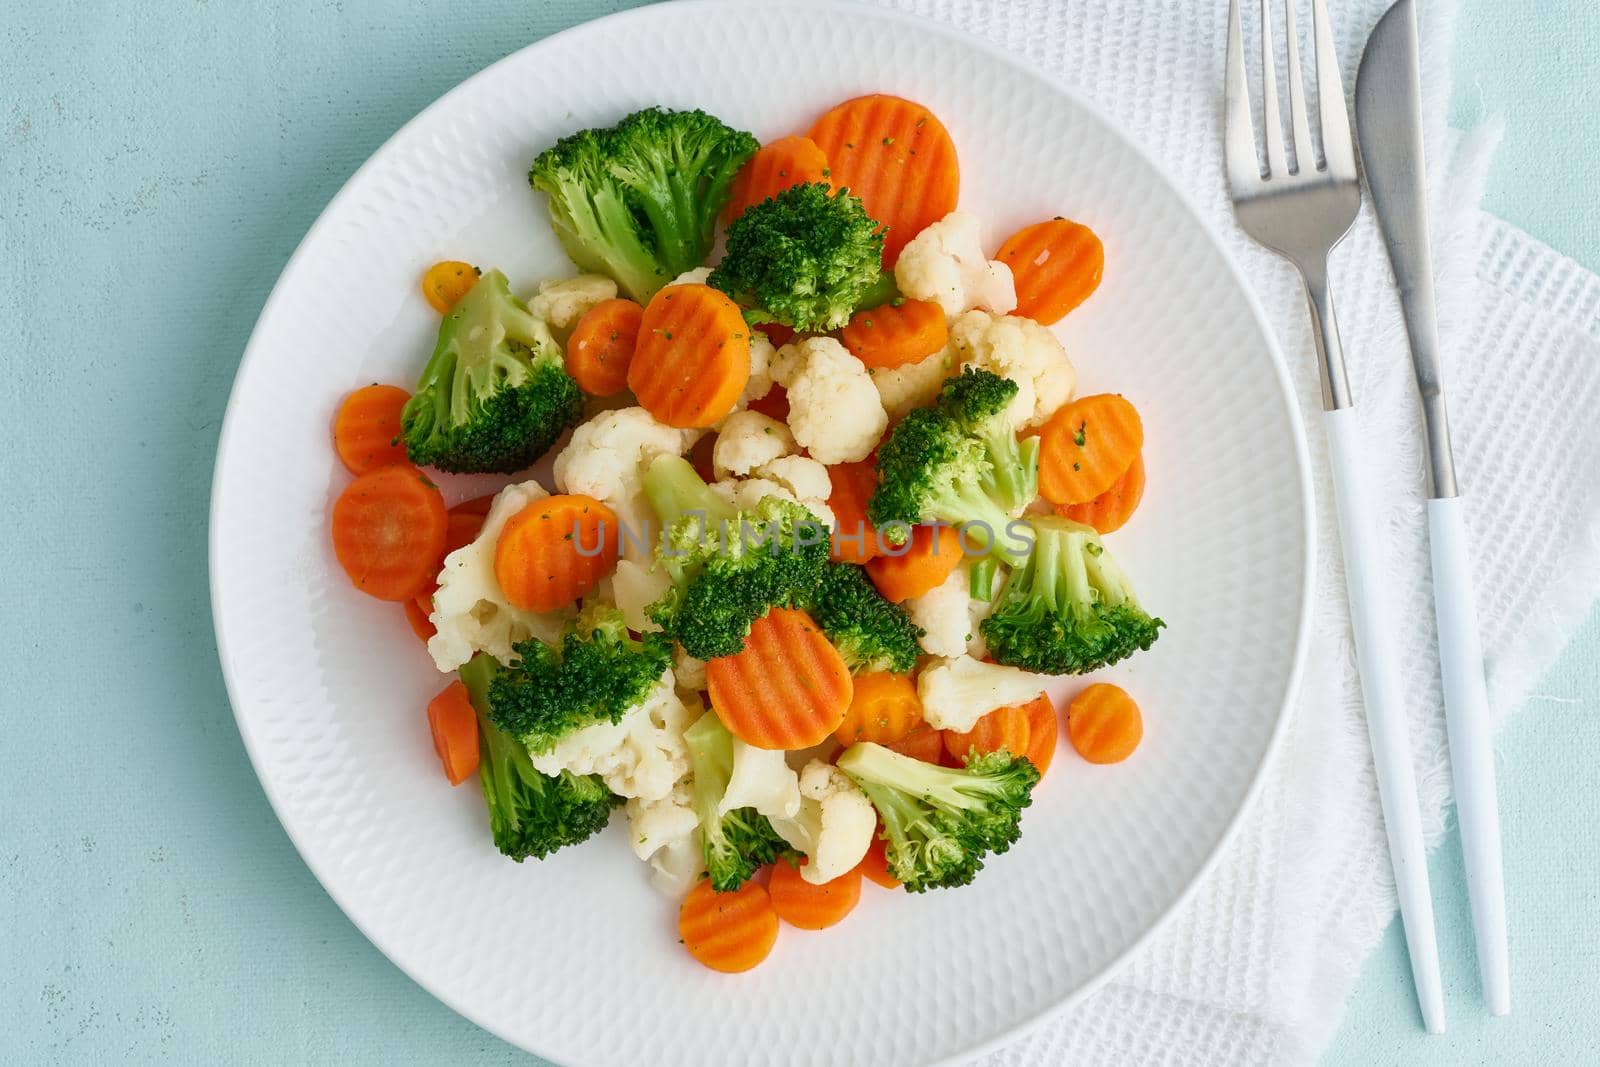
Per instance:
{"type": "Point", "coordinates": [1257, 965]}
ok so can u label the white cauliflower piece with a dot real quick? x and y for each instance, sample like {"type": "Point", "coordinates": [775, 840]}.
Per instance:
{"type": "Point", "coordinates": [746, 493]}
{"type": "Point", "coordinates": [761, 354]}
{"type": "Point", "coordinates": [697, 276]}
{"type": "Point", "coordinates": [807, 481]}
{"type": "Point", "coordinates": [606, 459]}
{"type": "Point", "coordinates": [835, 413]}
{"type": "Point", "coordinates": [690, 671]}
{"type": "Point", "coordinates": [562, 302]}
{"type": "Point", "coordinates": [834, 825]}
{"type": "Point", "coordinates": [945, 264]}
{"type": "Point", "coordinates": [634, 587]}
{"type": "Point", "coordinates": [666, 834]}
{"type": "Point", "coordinates": [957, 692]}
{"type": "Point", "coordinates": [470, 612]}
{"type": "Point", "coordinates": [642, 755]}
{"type": "Point", "coordinates": [915, 385]}
{"type": "Point", "coordinates": [1022, 350]}
{"type": "Point", "coordinates": [747, 440]}
{"type": "Point", "coordinates": [942, 612]}
{"type": "Point", "coordinates": [761, 779]}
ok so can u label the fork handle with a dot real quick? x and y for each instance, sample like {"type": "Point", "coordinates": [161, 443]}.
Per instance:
{"type": "Point", "coordinates": [1377, 660]}
{"type": "Point", "coordinates": [1325, 334]}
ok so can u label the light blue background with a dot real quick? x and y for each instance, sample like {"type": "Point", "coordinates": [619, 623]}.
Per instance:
{"type": "Point", "coordinates": [158, 163]}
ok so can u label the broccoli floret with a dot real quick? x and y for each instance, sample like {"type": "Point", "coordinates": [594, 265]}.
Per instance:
{"type": "Point", "coordinates": [1069, 609]}
{"type": "Point", "coordinates": [960, 463]}
{"type": "Point", "coordinates": [977, 399]}
{"type": "Point", "coordinates": [870, 632]}
{"type": "Point", "coordinates": [939, 823]}
{"type": "Point", "coordinates": [639, 201]}
{"type": "Point", "coordinates": [600, 673]}
{"type": "Point", "coordinates": [727, 566]}
{"type": "Point", "coordinates": [496, 394]}
{"type": "Point", "coordinates": [806, 258]}
{"type": "Point", "coordinates": [740, 841]}
{"type": "Point", "coordinates": [530, 814]}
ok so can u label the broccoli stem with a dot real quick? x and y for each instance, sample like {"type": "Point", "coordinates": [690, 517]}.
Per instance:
{"type": "Point", "coordinates": [981, 577]}
{"type": "Point", "coordinates": [676, 492]}
{"type": "Point", "coordinates": [981, 522]}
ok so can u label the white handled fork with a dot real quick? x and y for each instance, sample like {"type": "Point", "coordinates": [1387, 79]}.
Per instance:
{"type": "Point", "coordinates": [1302, 212]}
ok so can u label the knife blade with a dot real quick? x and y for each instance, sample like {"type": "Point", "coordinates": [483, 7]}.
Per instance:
{"type": "Point", "coordinates": [1389, 130]}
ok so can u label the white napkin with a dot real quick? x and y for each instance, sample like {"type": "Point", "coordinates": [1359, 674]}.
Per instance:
{"type": "Point", "coordinates": [1256, 967]}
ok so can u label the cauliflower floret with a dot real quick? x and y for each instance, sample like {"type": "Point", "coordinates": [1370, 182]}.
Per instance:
{"type": "Point", "coordinates": [606, 459]}
{"type": "Point", "coordinates": [807, 481]}
{"type": "Point", "coordinates": [1022, 350]}
{"type": "Point", "coordinates": [834, 825]}
{"type": "Point", "coordinates": [915, 385]}
{"type": "Point", "coordinates": [642, 755]}
{"type": "Point", "coordinates": [761, 354]}
{"type": "Point", "coordinates": [562, 302]}
{"type": "Point", "coordinates": [945, 264]}
{"type": "Point", "coordinates": [761, 779]}
{"type": "Point", "coordinates": [834, 410]}
{"type": "Point", "coordinates": [746, 493]}
{"type": "Point", "coordinates": [942, 612]}
{"type": "Point", "coordinates": [666, 834]}
{"type": "Point", "coordinates": [956, 693]}
{"type": "Point", "coordinates": [470, 612]}
{"type": "Point", "coordinates": [747, 440]}
{"type": "Point", "coordinates": [697, 276]}
{"type": "Point", "coordinates": [690, 672]}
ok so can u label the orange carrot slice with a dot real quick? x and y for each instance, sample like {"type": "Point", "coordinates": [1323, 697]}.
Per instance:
{"type": "Point", "coordinates": [812, 907]}
{"type": "Point", "coordinates": [776, 166]}
{"type": "Point", "coordinates": [417, 611]}
{"type": "Point", "coordinates": [875, 864]}
{"type": "Point", "coordinates": [692, 359]}
{"type": "Point", "coordinates": [1113, 508]}
{"type": "Point", "coordinates": [388, 531]}
{"type": "Point", "coordinates": [1056, 265]}
{"type": "Point", "coordinates": [1006, 728]}
{"type": "Point", "coordinates": [929, 557]}
{"type": "Point", "coordinates": [897, 157]}
{"type": "Point", "coordinates": [447, 282]}
{"type": "Point", "coordinates": [1044, 726]}
{"type": "Point", "coordinates": [554, 551]}
{"type": "Point", "coordinates": [601, 346]}
{"type": "Point", "coordinates": [728, 932]}
{"type": "Point", "coordinates": [855, 539]}
{"type": "Point", "coordinates": [1087, 446]}
{"type": "Point", "coordinates": [454, 726]}
{"type": "Point", "coordinates": [1104, 724]}
{"type": "Point", "coordinates": [787, 688]}
{"type": "Point", "coordinates": [894, 335]}
{"type": "Point", "coordinates": [924, 742]}
{"type": "Point", "coordinates": [883, 709]}
{"type": "Point", "coordinates": [366, 431]}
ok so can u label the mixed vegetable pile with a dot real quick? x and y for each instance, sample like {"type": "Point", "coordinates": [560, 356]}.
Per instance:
{"type": "Point", "coordinates": [828, 516]}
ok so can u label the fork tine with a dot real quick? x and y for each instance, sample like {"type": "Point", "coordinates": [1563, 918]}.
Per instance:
{"type": "Point", "coordinates": [1337, 146]}
{"type": "Point", "coordinates": [1271, 118]}
{"type": "Point", "coordinates": [1239, 138]}
{"type": "Point", "coordinates": [1305, 153]}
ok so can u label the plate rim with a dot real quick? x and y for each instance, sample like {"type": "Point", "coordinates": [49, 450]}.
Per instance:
{"type": "Point", "coordinates": [297, 262]}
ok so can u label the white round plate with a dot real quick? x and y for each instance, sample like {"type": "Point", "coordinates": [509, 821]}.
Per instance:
{"type": "Point", "coordinates": [576, 958]}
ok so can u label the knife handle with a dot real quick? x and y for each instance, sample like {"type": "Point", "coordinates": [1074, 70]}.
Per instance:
{"type": "Point", "coordinates": [1466, 708]}
{"type": "Point", "coordinates": [1378, 663]}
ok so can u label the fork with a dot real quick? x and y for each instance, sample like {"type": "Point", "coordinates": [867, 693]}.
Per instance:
{"type": "Point", "coordinates": [1301, 212]}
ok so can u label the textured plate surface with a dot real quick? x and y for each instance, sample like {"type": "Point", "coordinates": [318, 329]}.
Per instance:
{"type": "Point", "coordinates": [576, 958]}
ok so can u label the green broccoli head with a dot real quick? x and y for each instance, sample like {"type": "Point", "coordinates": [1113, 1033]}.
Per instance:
{"type": "Point", "coordinates": [978, 401]}
{"type": "Point", "coordinates": [600, 673]}
{"type": "Point", "coordinates": [1069, 609]}
{"type": "Point", "coordinates": [727, 566]}
{"type": "Point", "coordinates": [939, 823]}
{"type": "Point", "coordinates": [496, 394]}
{"type": "Point", "coordinates": [806, 258]}
{"type": "Point", "coordinates": [933, 470]}
{"type": "Point", "coordinates": [738, 842]}
{"type": "Point", "coordinates": [870, 632]}
{"type": "Point", "coordinates": [530, 814]}
{"type": "Point", "coordinates": [639, 201]}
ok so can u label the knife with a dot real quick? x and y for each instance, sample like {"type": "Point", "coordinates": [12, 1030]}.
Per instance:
{"type": "Point", "coordinates": [1389, 128]}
